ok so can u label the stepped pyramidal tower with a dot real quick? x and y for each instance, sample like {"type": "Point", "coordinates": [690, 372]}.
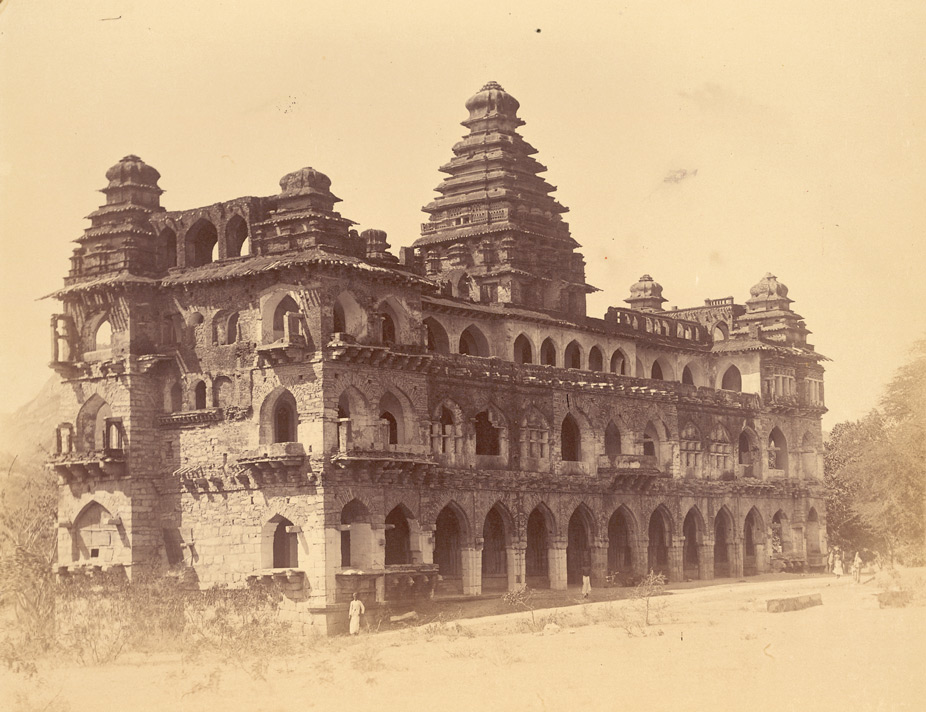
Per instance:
{"type": "Point", "coordinates": [496, 234]}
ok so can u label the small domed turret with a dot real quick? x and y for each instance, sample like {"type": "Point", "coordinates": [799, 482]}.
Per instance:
{"type": "Point", "coordinates": [132, 180]}
{"type": "Point", "coordinates": [769, 293]}
{"type": "Point", "coordinates": [492, 102]}
{"type": "Point", "coordinates": [312, 184]}
{"type": "Point", "coordinates": [646, 294]}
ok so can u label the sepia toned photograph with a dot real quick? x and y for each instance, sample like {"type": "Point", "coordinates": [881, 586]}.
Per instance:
{"type": "Point", "coordinates": [464, 357]}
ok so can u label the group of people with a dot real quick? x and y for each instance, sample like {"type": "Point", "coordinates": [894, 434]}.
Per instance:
{"type": "Point", "coordinates": [836, 566]}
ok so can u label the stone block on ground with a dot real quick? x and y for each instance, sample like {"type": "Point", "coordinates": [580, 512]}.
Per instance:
{"type": "Point", "coordinates": [793, 603]}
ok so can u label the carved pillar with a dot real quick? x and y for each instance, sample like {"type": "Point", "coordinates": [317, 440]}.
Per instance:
{"type": "Point", "coordinates": [641, 557]}
{"type": "Point", "coordinates": [676, 566]}
{"type": "Point", "coordinates": [736, 559]}
{"type": "Point", "coordinates": [471, 561]}
{"type": "Point", "coordinates": [556, 564]}
{"type": "Point", "coordinates": [599, 554]}
{"type": "Point", "coordinates": [706, 561]}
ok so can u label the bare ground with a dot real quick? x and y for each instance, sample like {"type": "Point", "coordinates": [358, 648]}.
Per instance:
{"type": "Point", "coordinates": [706, 648]}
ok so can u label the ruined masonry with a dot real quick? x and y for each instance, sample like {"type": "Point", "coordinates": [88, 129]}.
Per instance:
{"type": "Point", "coordinates": [256, 392]}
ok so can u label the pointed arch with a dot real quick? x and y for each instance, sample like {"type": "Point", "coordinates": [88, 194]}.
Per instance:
{"type": "Point", "coordinates": [612, 440]}
{"type": "Point", "coordinates": [393, 321]}
{"type": "Point", "coordinates": [103, 336]}
{"type": "Point", "coordinates": [437, 340]}
{"type": "Point", "coordinates": [580, 535]}
{"type": "Point", "coordinates": [572, 356]}
{"type": "Point", "coordinates": [450, 534]}
{"type": "Point", "coordinates": [348, 316]}
{"type": "Point", "coordinates": [812, 532]}
{"type": "Point", "coordinates": [523, 350]}
{"type": "Point", "coordinates": [753, 543]}
{"type": "Point", "coordinates": [777, 451]}
{"type": "Point", "coordinates": [747, 449]}
{"type": "Point", "coordinates": [497, 533]}
{"type": "Point", "coordinates": [661, 370]}
{"type": "Point", "coordinates": [595, 359]}
{"type": "Point", "coordinates": [236, 237]}
{"type": "Point", "coordinates": [724, 546]}
{"type": "Point", "coordinates": [280, 543]}
{"type": "Point", "coordinates": [732, 380]}
{"type": "Point", "coordinates": [693, 531]}
{"type": "Point", "coordinates": [223, 392]}
{"type": "Point", "coordinates": [548, 352]}
{"type": "Point", "coordinates": [95, 536]}
{"type": "Point", "coordinates": [622, 535]}
{"type": "Point", "coordinates": [619, 363]}
{"type": "Point", "coordinates": [473, 342]}
{"type": "Point", "coordinates": [782, 541]}
{"type": "Point", "coordinates": [91, 424]}
{"type": "Point", "coordinates": [398, 536]}
{"type": "Point", "coordinates": [201, 243]}
{"type": "Point", "coordinates": [489, 429]}
{"type": "Point", "coordinates": [393, 419]}
{"type": "Point", "coordinates": [279, 417]}
{"type": "Point", "coordinates": [660, 540]}
{"type": "Point", "coordinates": [541, 530]}
{"type": "Point", "coordinates": [570, 440]}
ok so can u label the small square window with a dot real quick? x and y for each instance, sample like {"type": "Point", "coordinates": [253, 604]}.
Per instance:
{"type": "Point", "coordinates": [94, 553]}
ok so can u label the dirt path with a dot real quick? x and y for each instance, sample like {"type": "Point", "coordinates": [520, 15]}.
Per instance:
{"type": "Point", "coordinates": [711, 648]}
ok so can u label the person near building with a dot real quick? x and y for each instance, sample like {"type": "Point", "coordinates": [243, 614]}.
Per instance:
{"type": "Point", "coordinates": [837, 564]}
{"type": "Point", "coordinates": [354, 612]}
{"type": "Point", "coordinates": [857, 567]}
{"type": "Point", "coordinates": [586, 580]}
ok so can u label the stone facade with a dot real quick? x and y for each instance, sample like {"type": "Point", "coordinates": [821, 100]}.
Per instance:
{"type": "Point", "coordinates": [258, 391]}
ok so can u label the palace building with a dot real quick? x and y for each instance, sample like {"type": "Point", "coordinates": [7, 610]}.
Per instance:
{"type": "Point", "coordinates": [256, 391]}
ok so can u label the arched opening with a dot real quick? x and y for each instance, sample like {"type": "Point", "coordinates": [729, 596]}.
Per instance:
{"type": "Point", "coordinates": [202, 241]}
{"type": "Point", "coordinates": [387, 328]}
{"type": "Point", "coordinates": [283, 325]}
{"type": "Point", "coordinates": [236, 235]}
{"type": "Point", "coordinates": [488, 437]}
{"type": "Point", "coordinates": [572, 356]}
{"type": "Point", "coordinates": [222, 392]}
{"type": "Point", "coordinates": [547, 353]}
{"type": "Point", "coordinates": [448, 552]}
{"type": "Point", "coordinates": [777, 452]}
{"type": "Point", "coordinates": [719, 332]}
{"type": "Point", "coordinates": [612, 441]}
{"type": "Point", "coordinates": [447, 432]}
{"type": "Point", "coordinates": [391, 417]}
{"type": "Point", "coordinates": [660, 538]}
{"type": "Point", "coordinates": [753, 543]}
{"type": "Point", "coordinates": [687, 377]}
{"type": "Point", "coordinates": [199, 396]}
{"type": "Point", "coordinates": [537, 555]}
{"type": "Point", "coordinates": [398, 537]}
{"type": "Point", "coordinates": [437, 340]}
{"type": "Point", "coordinates": [284, 422]}
{"type": "Point", "coordinates": [95, 537]}
{"type": "Point", "coordinates": [723, 544]}
{"type": "Point", "coordinates": [732, 380]}
{"type": "Point", "coordinates": [651, 441]}
{"type": "Point", "coordinates": [494, 554]}
{"type": "Point", "coordinates": [167, 249]}
{"type": "Point", "coordinates": [523, 352]}
{"type": "Point", "coordinates": [473, 342]}
{"type": "Point", "coordinates": [175, 398]}
{"type": "Point", "coordinates": [781, 534]}
{"type": "Point", "coordinates": [278, 417]}
{"type": "Point", "coordinates": [595, 359]}
{"type": "Point", "coordinates": [748, 453]}
{"type": "Point", "coordinates": [232, 334]}
{"type": "Point", "coordinates": [691, 558]}
{"type": "Point", "coordinates": [578, 547]}
{"type": "Point", "coordinates": [570, 440]}
{"type": "Point", "coordinates": [620, 542]}
{"type": "Point", "coordinates": [349, 318]}
{"type": "Point", "coordinates": [356, 535]}
{"type": "Point", "coordinates": [285, 545]}
{"type": "Point", "coordinates": [103, 338]}
{"type": "Point", "coordinates": [351, 406]}
{"type": "Point", "coordinates": [812, 533]}
{"type": "Point", "coordinates": [656, 371]}
{"type": "Point", "coordinates": [619, 363]}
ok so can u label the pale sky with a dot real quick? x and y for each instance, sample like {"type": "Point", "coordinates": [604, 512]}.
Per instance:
{"type": "Point", "coordinates": [805, 127]}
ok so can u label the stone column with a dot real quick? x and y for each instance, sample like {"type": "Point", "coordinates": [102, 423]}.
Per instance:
{"type": "Point", "coordinates": [599, 553]}
{"type": "Point", "coordinates": [556, 564]}
{"type": "Point", "coordinates": [761, 564]}
{"type": "Point", "coordinates": [676, 565]}
{"type": "Point", "coordinates": [378, 543]}
{"type": "Point", "coordinates": [515, 564]}
{"type": "Point", "coordinates": [427, 543]}
{"type": "Point", "coordinates": [471, 561]}
{"type": "Point", "coordinates": [736, 559]}
{"type": "Point", "coordinates": [641, 557]}
{"type": "Point", "coordinates": [706, 561]}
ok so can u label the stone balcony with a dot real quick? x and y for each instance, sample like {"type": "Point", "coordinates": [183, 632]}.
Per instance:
{"type": "Point", "coordinates": [81, 466]}
{"type": "Point", "coordinates": [274, 462]}
{"type": "Point", "coordinates": [630, 470]}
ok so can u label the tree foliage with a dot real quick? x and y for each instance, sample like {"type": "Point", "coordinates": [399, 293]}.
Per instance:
{"type": "Point", "coordinates": [875, 470]}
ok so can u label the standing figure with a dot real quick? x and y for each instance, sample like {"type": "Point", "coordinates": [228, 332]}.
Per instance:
{"type": "Point", "coordinates": [354, 612]}
{"type": "Point", "coordinates": [586, 580]}
{"type": "Point", "coordinates": [829, 561]}
{"type": "Point", "coordinates": [857, 567]}
{"type": "Point", "coordinates": [837, 564]}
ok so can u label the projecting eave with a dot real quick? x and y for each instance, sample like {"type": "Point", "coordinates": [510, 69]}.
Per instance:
{"type": "Point", "coordinates": [121, 279]}
{"type": "Point", "coordinates": [745, 345]}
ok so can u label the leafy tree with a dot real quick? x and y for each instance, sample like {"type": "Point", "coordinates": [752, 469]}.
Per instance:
{"type": "Point", "coordinates": [875, 470]}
